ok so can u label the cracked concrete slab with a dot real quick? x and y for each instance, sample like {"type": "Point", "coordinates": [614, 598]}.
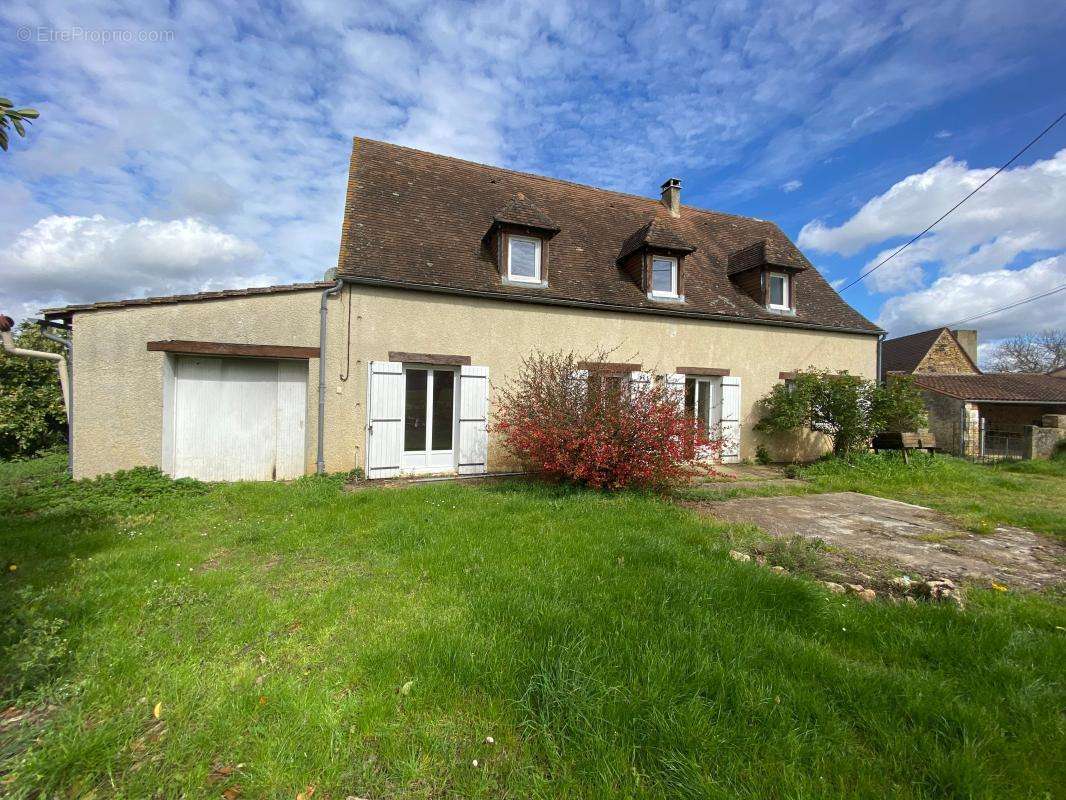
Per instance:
{"type": "Point", "coordinates": [916, 539]}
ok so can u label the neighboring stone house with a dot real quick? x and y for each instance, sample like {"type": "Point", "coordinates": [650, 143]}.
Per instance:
{"type": "Point", "coordinates": [963, 402]}
{"type": "Point", "coordinates": [449, 274]}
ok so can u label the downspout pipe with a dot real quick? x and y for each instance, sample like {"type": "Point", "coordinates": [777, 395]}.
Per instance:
{"type": "Point", "coordinates": [323, 312]}
{"type": "Point", "coordinates": [880, 363]}
{"type": "Point", "coordinates": [7, 341]}
{"type": "Point", "coordinates": [67, 345]}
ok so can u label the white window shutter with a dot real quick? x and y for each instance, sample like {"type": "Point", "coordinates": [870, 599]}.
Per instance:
{"type": "Point", "coordinates": [473, 420]}
{"type": "Point", "coordinates": [639, 382]}
{"type": "Point", "coordinates": [675, 385]}
{"type": "Point", "coordinates": [384, 423]}
{"type": "Point", "coordinates": [730, 419]}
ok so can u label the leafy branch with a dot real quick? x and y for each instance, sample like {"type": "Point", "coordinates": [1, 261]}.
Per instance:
{"type": "Point", "coordinates": [17, 118]}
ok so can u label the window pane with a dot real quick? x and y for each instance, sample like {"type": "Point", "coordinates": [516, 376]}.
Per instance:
{"type": "Point", "coordinates": [443, 405]}
{"type": "Point", "coordinates": [703, 404]}
{"type": "Point", "coordinates": [414, 423]}
{"type": "Point", "coordinates": [662, 275]}
{"type": "Point", "coordinates": [777, 290]}
{"type": "Point", "coordinates": [690, 398]}
{"type": "Point", "coordinates": [523, 257]}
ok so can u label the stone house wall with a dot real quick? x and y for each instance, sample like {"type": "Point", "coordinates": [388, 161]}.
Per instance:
{"type": "Point", "coordinates": [945, 357]}
{"type": "Point", "coordinates": [945, 419]}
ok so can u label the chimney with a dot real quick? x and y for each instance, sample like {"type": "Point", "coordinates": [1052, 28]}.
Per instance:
{"type": "Point", "coordinates": [968, 341]}
{"type": "Point", "coordinates": [671, 196]}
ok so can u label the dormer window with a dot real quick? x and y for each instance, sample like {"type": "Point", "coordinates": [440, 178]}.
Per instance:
{"type": "Point", "coordinates": [663, 277]}
{"type": "Point", "coordinates": [778, 291]}
{"type": "Point", "coordinates": [523, 258]}
{"type": "Point", "coordinates": [766, 272]}
{"type": "Point", "coordinates": [654, 257]}
{"type": "Point", "coordinates": [518, 242]}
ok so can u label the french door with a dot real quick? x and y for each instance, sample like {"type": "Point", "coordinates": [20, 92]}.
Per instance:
{"type": "Point", "coordinates": [703, 402]}
{"type": "Point", "coordinates": [429, 420]}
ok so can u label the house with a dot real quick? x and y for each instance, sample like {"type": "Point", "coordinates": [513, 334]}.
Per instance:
{"type": "Point", "coordinates": [970, 411]}
{"type": "Point", "coordinates": [449, 273]}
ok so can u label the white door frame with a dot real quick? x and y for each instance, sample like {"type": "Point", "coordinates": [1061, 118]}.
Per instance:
{"type": "Point", "coordinates": [712, 414]}
{"type": "Point", "coordinates": [428, 461]}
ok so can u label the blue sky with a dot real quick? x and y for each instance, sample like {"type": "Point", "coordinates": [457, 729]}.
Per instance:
{"type": "Point", "coordinates": [190, 145]}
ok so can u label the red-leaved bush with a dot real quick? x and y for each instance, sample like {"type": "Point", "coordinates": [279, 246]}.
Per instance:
{"type": "Point", "coordinates": [600, 430]}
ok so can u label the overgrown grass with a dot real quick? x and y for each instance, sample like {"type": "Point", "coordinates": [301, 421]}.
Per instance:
{"type": "Point", "coordinates": [367, 643]}
{"type": "Point", "coordinates": [1030, 494]}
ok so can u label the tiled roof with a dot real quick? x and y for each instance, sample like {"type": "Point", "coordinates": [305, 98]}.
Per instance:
{"type": "Point", "coordinates": [414, 219]}
{"type": "Point", "coordinates": [770, 253]}
{"type": "Point", "coordinates": [997, 386]}
{"type": "Point", "coordinates": [905, 353]}
{"type": "Point", "coordinates": [655, 233]}
{"type": "Point", "coordinates": [185, 298]}
{"type": "Point", "coordinates": [519, 211]}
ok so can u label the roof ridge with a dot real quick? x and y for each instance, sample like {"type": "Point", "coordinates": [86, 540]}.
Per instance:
{"type": "Point", "coordinates": [563, 181]}
{"type": "Point", "coordinates": [919, 333]}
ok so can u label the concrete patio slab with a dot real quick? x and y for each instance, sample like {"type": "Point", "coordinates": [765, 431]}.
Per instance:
{"type": "Point", "coordinates": [918, 540]}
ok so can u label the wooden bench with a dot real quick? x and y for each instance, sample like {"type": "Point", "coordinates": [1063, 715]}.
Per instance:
{"type": "Point", "coordinates": [905, 441]}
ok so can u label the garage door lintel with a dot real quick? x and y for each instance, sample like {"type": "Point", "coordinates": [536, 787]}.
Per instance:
{"type": "Point", "coordinates": [188, 347]}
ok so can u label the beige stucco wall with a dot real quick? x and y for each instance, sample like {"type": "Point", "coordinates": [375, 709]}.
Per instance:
{"type": "Point", "coordinates": [497, 334]}
{"type": "Point", "coordinates": [119, 384]}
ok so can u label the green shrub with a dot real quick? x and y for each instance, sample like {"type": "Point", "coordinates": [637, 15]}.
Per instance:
{"type": "Point", "coordinates": [762, 455]}
{"type": "Point", "coordinates": [34, 646]}
{"type": "Point", "coordinates": [32, 419]}
{"type": "Point", "coordinates": [847, 408]}
{"type": "Point", "coordinates": [120, 492]}
{"type": "Point", "coordinates": [898, 406]}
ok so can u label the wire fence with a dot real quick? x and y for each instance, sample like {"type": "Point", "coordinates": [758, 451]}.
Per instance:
{"type": "Point", "coordinates": [987, 441]}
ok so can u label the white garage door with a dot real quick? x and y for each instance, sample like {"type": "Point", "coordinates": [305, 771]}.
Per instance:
{"type": "Point", "coordinates": [238, 419]}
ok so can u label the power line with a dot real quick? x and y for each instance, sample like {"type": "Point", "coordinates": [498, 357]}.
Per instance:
{"type": "Point", "coordinates": [1048, 293]}
{"type": "Point", "coordinates": [940, 219]}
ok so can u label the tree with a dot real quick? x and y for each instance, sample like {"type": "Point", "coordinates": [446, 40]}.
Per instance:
{"type": "Point", "coordinates": [16, 118]}
{"type": "Point", "coordinates": [1031, 352]}
{"type": "Point", "coordinates": [31, 404]}
{"type": "Point", "coordinates": [898, 406]}
{"type": "Point", "coordinates": [599, 431]}
{"type": "Point", "coordinates": [847, 408]}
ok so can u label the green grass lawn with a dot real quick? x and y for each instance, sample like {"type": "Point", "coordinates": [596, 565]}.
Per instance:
{"type": "Point", "coordinates": [1029, 494]}
{"type": "Point", "coordinates": [367, 644]}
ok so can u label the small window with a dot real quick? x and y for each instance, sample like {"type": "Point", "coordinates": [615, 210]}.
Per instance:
{"type": "Point", "coordinates": [663, 277]}
{"type": "Point", "coordinates": [778, 291]}
{"type": "Point", "coordinates": [523, 259]}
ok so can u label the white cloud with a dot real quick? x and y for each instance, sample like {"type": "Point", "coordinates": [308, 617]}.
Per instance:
{"type": "Point", "coordinates": [952, 298]}
{"type": "Point", "coordinates": [942, 134]}
{"type": "Point", "coordinates": [791, 186]}
{"type": "Point", "coordinates": [1021, 211]}
{"type": "Point", "coordinates": [70, 258]}
{"type": "Point", "coordinates": [1008, 242]}
{"type": "Point", "coordinates": [243, 120]}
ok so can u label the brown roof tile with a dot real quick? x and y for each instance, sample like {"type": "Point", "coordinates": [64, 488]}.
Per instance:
{"type": "Point", "coordinates": [417, 219]}
{"type": "Point", "coordinates": [768, 253]}
{"type": "Point", "coordinates": [522, 212]}
{"type": "Point", "coordinates": [656, 233]}
{"type": "Point", "coordinates": [997, 386]}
